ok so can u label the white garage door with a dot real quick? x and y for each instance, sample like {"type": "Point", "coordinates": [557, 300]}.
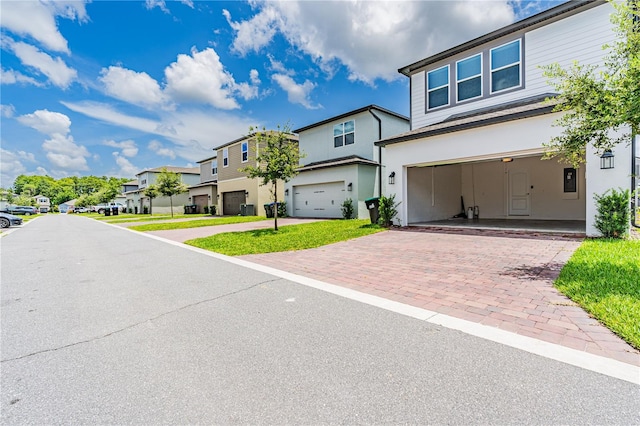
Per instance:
{"type": "Point", "coordinates": [319, 200]}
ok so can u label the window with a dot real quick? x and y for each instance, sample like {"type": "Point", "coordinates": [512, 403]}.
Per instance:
{"type": "Point", "coordinates": [245, 152]}
{"type": "Point", "coordinates": [225, 157]}
{"type": "Point", "coordinates": [505, 66]}
{"type": "Point", "coordinates": [438, 88]}
{"type": "Point", "coordinates": [214, 167]}
{"type": "Point", "coordinates": [344, 133]}
{"type": "Point", "coordinates": [469, 78]}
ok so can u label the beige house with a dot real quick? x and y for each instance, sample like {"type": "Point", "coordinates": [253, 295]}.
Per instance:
{"type": "Point", "coordinates": [137, 202]}
{"type": "Point", "coordinates": [205, 193]}
{"type": "Point", "coordinates": [44, 203]}
{"type": "Point", "coordinates": [237, 194]}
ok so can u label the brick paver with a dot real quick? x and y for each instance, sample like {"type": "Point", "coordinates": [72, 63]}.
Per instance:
{"type": "Point", "coordinates": [502, 280]}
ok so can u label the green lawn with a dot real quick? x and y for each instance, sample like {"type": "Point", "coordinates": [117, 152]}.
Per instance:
{"type": "Point", "coordinates": [603, 276]}
{"type": "Point", "coordinates": [197, 223]}
{"type": "Point", "coordinates": [287, 238]}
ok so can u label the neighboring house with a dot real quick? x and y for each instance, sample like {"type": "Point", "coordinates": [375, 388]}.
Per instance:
{"type": "Point", "coordinates": [234, 187]}
{"type": "Point", "coordinates": [479, 121]}
{"type": "Point", "coordinates": [44, 203]}
{"type": "Point", "coordinates": [139, 203]}
{"type": "Point", "coordinates": [205, 193]}
{"type": "Point", "coordinates": [67, 206]}
{"type": "Point", "coordinates": [128, 187]}
{"type": "Point", "coordinates": [341, 162]}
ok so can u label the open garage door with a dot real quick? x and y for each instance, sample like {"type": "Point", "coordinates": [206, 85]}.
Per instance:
{"type": "Point", "coordinates": [232, 201]}
{"type": "Point", "coordinates": [322, 200]}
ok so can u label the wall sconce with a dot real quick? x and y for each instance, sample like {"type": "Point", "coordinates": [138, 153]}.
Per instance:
{"type": "Point", "coordinates": [189, 198]}
{"type": "Point", "coordinates": [217, 196]}
{"type": "Point", "coordinates": [507, 159]}
{"type": "Point", "coordinates": [209, 196]}
{"type": "Point", "coordinates": [286, 192]}
{"type": "Point", "coordinates": [392, 178]}
{"type": "Point", "coordinates": [246, 193]}
{"type": "Point", "coordinates": [350, 187]}
{"type": "Point", "coordinates": [606, 159]}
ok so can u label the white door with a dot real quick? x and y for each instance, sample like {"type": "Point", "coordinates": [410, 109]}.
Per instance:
{"type": "Point", "coordinates": [323, 200]}
{"type": "Point", "coordinates": [519, 193]}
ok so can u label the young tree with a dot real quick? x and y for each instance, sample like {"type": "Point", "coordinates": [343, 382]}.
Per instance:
{"type": "Point", "coordinates": [277, 160]}
{"type": "Point", "coordinates": [151, 191]}
{"type": "Point", "coordinates": [600, 100]}
{"type": "Point", "coordinates": [169, 184]}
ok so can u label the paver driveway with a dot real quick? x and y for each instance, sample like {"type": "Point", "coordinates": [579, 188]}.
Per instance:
{"type": "Point", "coordinates": [496, 279]}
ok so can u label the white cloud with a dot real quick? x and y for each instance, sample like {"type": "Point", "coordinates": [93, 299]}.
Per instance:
{"type": "Point", "coordinates": [159, 149]}
{"type": "Point", "coordinates": [134, 87]}
{"type": "Point", "coordinates": [7, 111]}
{"type": "Point", "coordinates": [296, 93]}
{"type": "Point", "coordinates": [126, 168]}
{"type": "Point", "coordinates": [36, 19]}
{"type": "Point", "coordinates": [10, 167]}
{"type": "Point", "coordinates": [47, 122]}
{"type": "Point", "coordinates": [128, 148]}
{"type": "Point", "coordinates": [379, 33]}
{"type": "Point", "coordinates": [254, 76]}
{"type": "Point", "coordinates": [54, 68]}
{"type": "Point", "coordinates": [16, 77]}
{"type": "Point", "coordinates": [202, 78]}
{"type": "Point", "coordinates": [160, 4]}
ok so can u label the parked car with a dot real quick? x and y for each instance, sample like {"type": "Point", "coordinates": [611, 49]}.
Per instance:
{"type": "Point", "coordinates": [25, 210]}
{"type": "Point", "coordinates": [80, 210]}
{"type": "Point", "coordinates": [101, 207]}
{"type": "Point", "coordinates": [7, 220]}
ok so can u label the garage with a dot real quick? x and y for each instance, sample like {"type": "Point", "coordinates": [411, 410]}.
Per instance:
{"type": "Point", "coordinates": [201, 201]}
{"type": "Point", "coordinates": [232, 201]}
{"type": "Point", "coordinates": [323, 200]}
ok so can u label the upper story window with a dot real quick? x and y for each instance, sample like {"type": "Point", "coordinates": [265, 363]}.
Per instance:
{"type": "Point", "coordinates": [245, 152]}
{"type": "Point", "coordinates": [469, 78]}
{"type": "Point", "coordinates": [438, 88]}
{"type": "Point", "coordinates": [344, 133]}
{"type": "Point", "coordinates": [214, 167]}
{"type": "Point", "coordinates": [505, 66]}
{"type": "Point", "coordinates": [225, 157]}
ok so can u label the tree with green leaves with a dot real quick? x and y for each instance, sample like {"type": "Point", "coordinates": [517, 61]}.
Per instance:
{"type": "Point", "coordinates": [600, 103]}
{"type": "Point", "coordinates": [170, 184]}
{"type": "Point", "coordinates": [277, 160]}
{"type": "Point", "coordinates": [151, 191]}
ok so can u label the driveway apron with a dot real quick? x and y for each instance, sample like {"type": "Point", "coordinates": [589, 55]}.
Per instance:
{"type": "Point", "coordinates": [496, 279]}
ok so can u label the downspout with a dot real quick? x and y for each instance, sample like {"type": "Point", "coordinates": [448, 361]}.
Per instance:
{"type": "Point", "coordinates": [379, 152]}
{"type": "Point", "coordinates": [634, 179]}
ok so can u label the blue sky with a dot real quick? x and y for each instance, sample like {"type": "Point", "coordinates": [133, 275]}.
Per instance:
{"type": "Point", "coordinates": [115, 87]}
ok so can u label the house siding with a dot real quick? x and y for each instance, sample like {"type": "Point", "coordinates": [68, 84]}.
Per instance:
{"type": "Point", "coordinates": [582, 38]}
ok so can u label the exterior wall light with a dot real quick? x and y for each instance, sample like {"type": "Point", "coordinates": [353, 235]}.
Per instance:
{"type": "Point", "coordinates": [507, 159]}
{"type": "Point", "coordinates": [350, 187]}
{"type": "Point", "coordinates": [606, 159]}
{"type": "Point", "coordinates": [246, 193]}
{"type": "Point", "coordinates": [286, 192]}
{"type": "Point", "coordinates": [392, 178]}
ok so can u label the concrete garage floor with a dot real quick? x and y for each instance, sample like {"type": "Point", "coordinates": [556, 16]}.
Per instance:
{"type": "Point", "coordinates": [571, 227]}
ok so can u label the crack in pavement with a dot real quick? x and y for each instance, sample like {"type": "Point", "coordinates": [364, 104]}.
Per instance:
{"type": "Point", "coordinates": [94, 339]}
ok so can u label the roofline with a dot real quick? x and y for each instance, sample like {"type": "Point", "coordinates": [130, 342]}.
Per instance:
{"type": "Point", "coordinates": [243, 138]}
{"type": "Point", "coordinates": [569, 8]}
{"type": "Point", "coordinates": [467, 126]}
{"type": "Point", "coordinates": [159, 169]}
{"type": "Point", "coordinates": [347, 114]}
{"type": "Point", "coordinates": [207, 159]}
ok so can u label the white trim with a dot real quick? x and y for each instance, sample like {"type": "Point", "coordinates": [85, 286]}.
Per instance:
{"type": "Point", "coordinates": [448, 86]}
{"type": "Point", "coordinates": [519, 63]}
{"type": "Point", "coordinates": [225, 156]}
{"type": "Point", "coordinates": [481, 75]}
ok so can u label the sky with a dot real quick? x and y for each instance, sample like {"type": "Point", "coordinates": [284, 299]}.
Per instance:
{"type": "Point", "coordinates": [111, 88]}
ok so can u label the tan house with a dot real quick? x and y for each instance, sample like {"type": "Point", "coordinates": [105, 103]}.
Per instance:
{"type": "Point", "coordinates": [137, 202]}
{"type": "Point", "coordinates": [237, 194]}
{"type": "Point", "coordinates": [205, 193]}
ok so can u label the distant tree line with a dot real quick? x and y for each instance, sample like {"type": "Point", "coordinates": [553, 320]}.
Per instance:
{"type": "Point", "coordinates": [87, 190]}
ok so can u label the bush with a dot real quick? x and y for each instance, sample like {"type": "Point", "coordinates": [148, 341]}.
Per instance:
{"type": "Point", "coordinates": [614, 213]}
{"type": "Point", "coordinates": [347, 209]}
{"type": "Point", "coordinates": [282, 209]}
{"type": "Point", "coordinates": [388, 209]}
{"type": "Point", "coordinates": [213, 210]}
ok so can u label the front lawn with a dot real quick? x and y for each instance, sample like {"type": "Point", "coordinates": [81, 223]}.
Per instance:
{"type": "Point", "coordinates": [603, 277]}
{"type": "Point", "coordinates": [287, 238]}
{"type": "Point", "coordinates": [197, 223]}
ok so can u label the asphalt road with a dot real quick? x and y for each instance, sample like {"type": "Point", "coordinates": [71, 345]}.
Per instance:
{"type": "Point", "coordinates": [104, 326]}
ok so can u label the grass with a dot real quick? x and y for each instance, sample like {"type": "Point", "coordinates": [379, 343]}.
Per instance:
{"type": "Point", "coordinates": [167, 226]}
{"type": "Point", "coordinates": [603, 276]}
{"type": "Point", "coordinates": [287, 238]}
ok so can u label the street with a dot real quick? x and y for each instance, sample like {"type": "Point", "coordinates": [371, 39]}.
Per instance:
{"type": "Point", "coordinates": [101, 325]}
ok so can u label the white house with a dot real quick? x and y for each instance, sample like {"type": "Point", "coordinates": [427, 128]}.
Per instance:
{"type": "Point", "coordinates": [138, 203]}
{"type": "Point", "coordinates": [341, 162]}
{"type": "Point", "coordinates": [479, 120]}
{"type": "Point", "coordinates": [205, 193]}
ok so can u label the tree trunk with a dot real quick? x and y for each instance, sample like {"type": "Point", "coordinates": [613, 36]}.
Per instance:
{"type": "Point", "coordinates": [150, 206]}
{"type": "Point", "coordinates": [275, 205]}
{"type": "Point", "coordinates": [171, 203]}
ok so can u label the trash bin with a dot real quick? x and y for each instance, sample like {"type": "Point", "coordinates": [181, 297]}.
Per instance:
{"type": "Point", "coordinates": [190, 208]}
{"type": "Point", "coordinates": [107, 211]}
{"type": "Point", "coordinates": [114, 211]}
{"type": "Point", "coordinates": [268, 208]}
{"type": "Point", "coordinates": [372, 205]}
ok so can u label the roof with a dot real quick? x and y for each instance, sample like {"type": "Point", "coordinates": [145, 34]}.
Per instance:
{"type": "Point", "coordinates": [243, 138]}
{"type": "Point", "coordinates": [131, 182]}
{"type": "Point", "coordinates": [183, 170]}
{"type": "Point", "coordinates": [207, 159]}
{"type": "Point", "coordinates": [548, 16]}
{"type": "Point", "coordinates": [203, 184]}
{"type": "Point", "coordinates": [354, 112]}
{"type": "Point", "coordinates": [336, 162]}
{"type": "Point", "coordinates": [524, 108]}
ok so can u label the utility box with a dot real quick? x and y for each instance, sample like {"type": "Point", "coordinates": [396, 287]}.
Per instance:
{"type": "Point", "coordinates": [247, 210]}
